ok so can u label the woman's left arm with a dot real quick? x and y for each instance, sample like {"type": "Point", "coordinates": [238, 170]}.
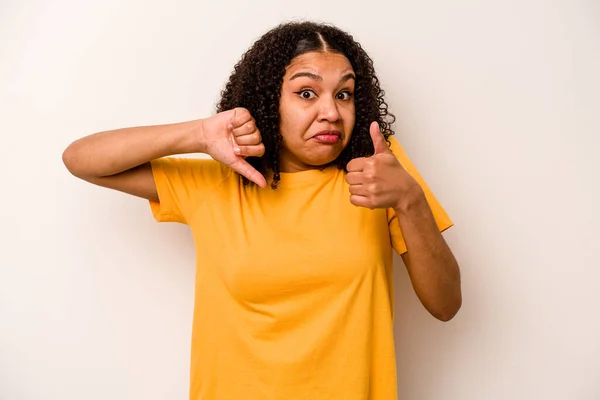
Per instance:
{"type": "Point", "coordinates": [433, 270]}
{"type": "Point", "coordinates": [380, 181]}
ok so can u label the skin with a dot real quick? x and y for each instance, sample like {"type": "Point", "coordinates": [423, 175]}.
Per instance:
{"type": "Point", "coordinates": [316, 95]}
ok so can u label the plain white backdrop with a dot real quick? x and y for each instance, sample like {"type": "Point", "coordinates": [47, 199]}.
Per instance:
{"type": "Point", "coordinates": [497, 103]}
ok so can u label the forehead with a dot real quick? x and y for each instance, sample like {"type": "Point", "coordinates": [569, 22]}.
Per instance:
{"type": "Point", "coordinates": [320, 62]}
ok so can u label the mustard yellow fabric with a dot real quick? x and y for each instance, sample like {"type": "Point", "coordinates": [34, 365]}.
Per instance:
{"type": "Point", "coordinates": [293, 294]}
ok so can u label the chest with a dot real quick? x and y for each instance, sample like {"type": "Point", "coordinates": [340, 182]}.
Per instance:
{"type": "Point", "coordinates": [291, 243]}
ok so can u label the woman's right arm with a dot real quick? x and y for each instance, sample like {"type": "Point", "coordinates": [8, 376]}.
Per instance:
{"type": "Point", "coordinates": [120, 159]}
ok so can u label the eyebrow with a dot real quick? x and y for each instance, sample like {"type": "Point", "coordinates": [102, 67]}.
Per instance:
{"type": "Point", "coordinates": [319, 78]}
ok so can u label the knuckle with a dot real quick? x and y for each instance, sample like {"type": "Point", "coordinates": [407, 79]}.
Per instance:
{"type": "Point", "coordinates": [242, 114]}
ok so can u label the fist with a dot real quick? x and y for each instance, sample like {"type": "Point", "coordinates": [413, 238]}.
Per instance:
{"type": "Point", "coordinates": [229, 137]}
{"type": "Point", "coordinates": [378, 181]}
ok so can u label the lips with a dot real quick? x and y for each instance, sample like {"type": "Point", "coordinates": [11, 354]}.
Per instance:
{"type": "Point", "coordinates": [327, 136]}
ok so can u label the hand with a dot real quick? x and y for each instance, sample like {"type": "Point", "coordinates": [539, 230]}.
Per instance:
{"type": "Point", "coordinates": [230, 136]}
{"type": "Point", "coordinates": [378, 181]}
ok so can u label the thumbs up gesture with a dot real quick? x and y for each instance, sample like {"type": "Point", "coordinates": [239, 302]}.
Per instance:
{"type": "Point", "coordinates": [378, 181]}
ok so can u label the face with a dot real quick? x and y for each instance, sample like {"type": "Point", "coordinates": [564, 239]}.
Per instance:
{"type": "Point", "coordinates": [316, 110]}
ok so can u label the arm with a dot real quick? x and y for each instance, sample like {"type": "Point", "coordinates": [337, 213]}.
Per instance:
{"type": "Point", "coordinates": [380, 181]}
{"type": "Point", "coordinates": [433, 270]}
{"type": "Point", "coordinates": [120, 159]}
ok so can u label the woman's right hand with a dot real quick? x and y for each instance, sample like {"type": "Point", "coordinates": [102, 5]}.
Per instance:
{"type": "Point", "coordinates": [230, 136]}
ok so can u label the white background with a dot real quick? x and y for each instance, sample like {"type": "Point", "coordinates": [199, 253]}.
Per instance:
{"type": "Point", "coordinates": [498, 105]}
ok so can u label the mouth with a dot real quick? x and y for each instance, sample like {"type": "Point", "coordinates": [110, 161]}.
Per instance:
{"type": "Point", "coordinates": [328, 137]}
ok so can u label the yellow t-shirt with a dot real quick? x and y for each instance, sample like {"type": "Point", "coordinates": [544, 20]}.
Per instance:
{"type": "Point", "coordinates": [293, 294]}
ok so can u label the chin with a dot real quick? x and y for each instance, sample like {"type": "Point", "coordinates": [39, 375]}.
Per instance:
{"type": "Point", "coordinates": [321, 161]}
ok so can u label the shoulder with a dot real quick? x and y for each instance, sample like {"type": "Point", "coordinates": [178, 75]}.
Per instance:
{"type": "Point", "coordinates": [396, 147]}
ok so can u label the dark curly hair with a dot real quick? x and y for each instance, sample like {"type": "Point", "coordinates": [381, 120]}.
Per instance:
{"type": "Point", "coordinates": [256, 81]}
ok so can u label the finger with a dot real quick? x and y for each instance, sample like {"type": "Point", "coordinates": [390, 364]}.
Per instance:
{"type": "Point", "coordinates": [356, 165]}
{"type": "Point", "coordinates": [249, 140]}
{"type": "Point", "coordinates": [230, 122]}
{"type": "Point", "coordinates": [358, 190]}
{"type": "Point", "coordinates": [354, 178]}
{"type": "Point", "coordinates": [240, 117]}
{"type": "Point", "coordinates": [379, 143]}
{"type": "Point", "coordinates": [230, 132]}
{"type": "Point", "coordinates": [247, 128]}
{"type": "Point", "coordinates": [250, 151]}
{"type": "Point", "coordinates": [243, 168]}
{"type": "Point", "coordinates": [360, 201]}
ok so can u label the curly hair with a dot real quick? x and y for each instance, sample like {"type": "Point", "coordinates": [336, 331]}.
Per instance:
{"type": "Point", "coordinates": [256, 81]}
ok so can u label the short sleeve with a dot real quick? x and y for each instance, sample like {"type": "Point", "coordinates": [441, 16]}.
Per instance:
{"type": "Point", "coordinates": [182, 184]}
{"type": "Point", "coordinates": [442, 219]}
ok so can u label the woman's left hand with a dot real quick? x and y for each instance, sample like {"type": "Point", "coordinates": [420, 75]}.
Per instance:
{"type": "Point", "coordinates": [380, 181]}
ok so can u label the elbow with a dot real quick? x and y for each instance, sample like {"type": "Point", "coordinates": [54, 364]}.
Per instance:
{"type": "Point", "coordinates": [67, 159]}
{"type": "Point", "coordinates": [449, 310]}
{"type": "Point", "coordinates": [450, 302]}
{"type": "Point", "coordinates": [70, 159]}
{"type": "Point", "coordinates": [446, 316]}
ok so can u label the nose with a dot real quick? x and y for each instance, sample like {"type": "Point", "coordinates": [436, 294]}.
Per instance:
{"type": "Point", "coordinates": [328, 109]}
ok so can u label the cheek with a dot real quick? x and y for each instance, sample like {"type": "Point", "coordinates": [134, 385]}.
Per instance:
{"type": "Point", "coordinates": [349, 118]}
{"type": "Point", "coordinates": [294, 123]}
{"type": "Point", "coordinates": [286, 121]}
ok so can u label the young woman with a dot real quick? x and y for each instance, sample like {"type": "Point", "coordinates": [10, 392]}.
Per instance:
{"type": "Point", "coordinates": [294, 221]}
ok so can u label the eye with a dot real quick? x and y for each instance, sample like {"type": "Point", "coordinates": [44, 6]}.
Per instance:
{"type": "Point", "coordinates": [344, 95]}
{"type": "Point", "coordinates": [306, 94]}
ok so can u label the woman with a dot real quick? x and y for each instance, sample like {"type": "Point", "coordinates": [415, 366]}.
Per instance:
{"type": "Point", "coordinates": [294, 220]}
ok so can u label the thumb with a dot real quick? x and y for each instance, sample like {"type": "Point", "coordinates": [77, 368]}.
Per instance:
{"type": "Point", "coordinates": [379, 143]}
{"type": "Point", "coordinates": [243, 168]}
